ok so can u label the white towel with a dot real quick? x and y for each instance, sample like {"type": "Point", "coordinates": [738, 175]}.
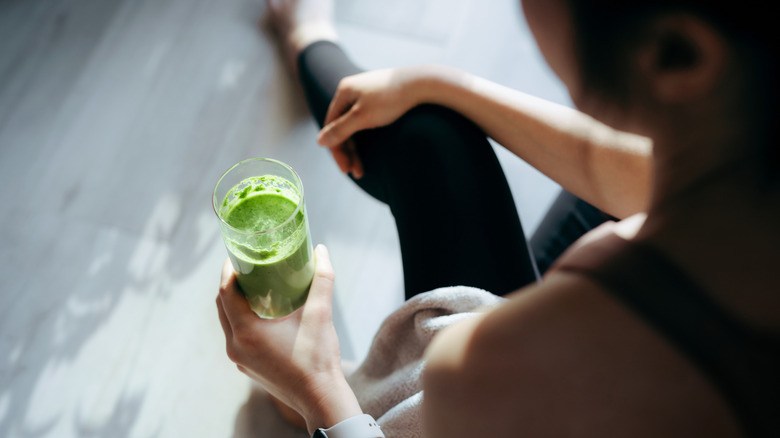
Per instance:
{"type": "Point", "coordinates": [388, 384]}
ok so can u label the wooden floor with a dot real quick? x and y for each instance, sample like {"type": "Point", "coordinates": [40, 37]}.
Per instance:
{"type": "Point", "coordinates": [116, 119]}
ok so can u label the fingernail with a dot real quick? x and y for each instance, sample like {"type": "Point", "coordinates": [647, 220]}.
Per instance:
{"type": "Point", "coordinates": [321, 250]}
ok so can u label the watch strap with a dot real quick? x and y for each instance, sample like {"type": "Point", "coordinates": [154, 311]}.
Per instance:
{"type": "Point", "coordinates": [359, 426]}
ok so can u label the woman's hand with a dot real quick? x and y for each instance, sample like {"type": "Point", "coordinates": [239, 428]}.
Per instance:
{"type": "Point", "coordinates": [295, 358]}
{"type": "Point", "coordinates": [365, 101]}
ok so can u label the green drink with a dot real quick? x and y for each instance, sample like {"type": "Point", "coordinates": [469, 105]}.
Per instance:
{"type": "Point", "coordinates": [263, 218]}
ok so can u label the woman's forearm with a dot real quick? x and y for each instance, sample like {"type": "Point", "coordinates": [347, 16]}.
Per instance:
{"type": "Point", "coordinates": [607, 168]}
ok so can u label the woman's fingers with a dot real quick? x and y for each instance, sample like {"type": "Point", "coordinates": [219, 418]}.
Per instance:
{"type": "Point", "coordinates": [356, 166]}
{"type": "Point", "coordinates": [347, 159]}
{"type": "Point", "coordinates": [322, 284]}
{"type": "Point", "coordinates": [227, 275]}
{"type": "Point", "coordinates": [234, 306]}
{"type": "Point", "coordinates": [224, 284]}
{"type": "Point", "coordinates": [337, 137]}
{"type": "Point", "coordinates": [339, 130]}
{"type": "Point", "coordinates": [339, 109]}
{"type": "Point", "coordinates": [341, 158]}
{"type": "Point", "coordinates": [340, 103]}
{"type": "Point", "coordinates": [223, 320]}
{"type": "Point", "coordinates": [338, 106]}
{"type": "Point", "coordinates": [321, 292]}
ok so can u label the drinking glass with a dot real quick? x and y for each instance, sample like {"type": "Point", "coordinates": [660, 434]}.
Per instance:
{"type": "Point", "coordinates": [262, 216]}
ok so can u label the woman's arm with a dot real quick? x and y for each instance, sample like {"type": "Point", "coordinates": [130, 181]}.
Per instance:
{"type": "Point", "coordinates": [607, 168]}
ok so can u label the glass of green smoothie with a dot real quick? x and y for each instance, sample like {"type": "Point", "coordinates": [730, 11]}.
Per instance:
{"type": "Point", "coordinates": [259, 203]}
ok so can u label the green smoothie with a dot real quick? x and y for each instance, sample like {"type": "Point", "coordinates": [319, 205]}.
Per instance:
{"type": "Point", "coordinates": [271, 254]}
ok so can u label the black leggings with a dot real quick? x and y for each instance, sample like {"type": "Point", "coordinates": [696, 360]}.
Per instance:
{"type": "Point", "coordinates": [456, 219]}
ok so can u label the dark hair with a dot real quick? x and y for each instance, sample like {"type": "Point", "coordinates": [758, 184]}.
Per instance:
{"type": "Point", "coordinates": [605, 30]}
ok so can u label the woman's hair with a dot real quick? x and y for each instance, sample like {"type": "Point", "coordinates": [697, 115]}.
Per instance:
{"type": "Point", "coordinates": [606, 30]}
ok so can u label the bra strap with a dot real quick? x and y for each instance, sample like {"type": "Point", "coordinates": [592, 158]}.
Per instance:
{"type": "Point", "coordinates": [743, 364]}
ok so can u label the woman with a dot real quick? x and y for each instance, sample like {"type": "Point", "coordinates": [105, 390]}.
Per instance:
{"type": "Point", "coordinates": [666, 323]}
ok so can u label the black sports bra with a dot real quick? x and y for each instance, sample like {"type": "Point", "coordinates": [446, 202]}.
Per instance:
{"type": "Point", "coordinates": [742, 363]}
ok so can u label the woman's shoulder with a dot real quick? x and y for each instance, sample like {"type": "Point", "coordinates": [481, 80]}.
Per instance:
{"type": "Point", "coordinates": [563, 358]}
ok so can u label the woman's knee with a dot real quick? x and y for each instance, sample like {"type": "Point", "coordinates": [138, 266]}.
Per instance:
{"type": "Point", "coordinates": [427, 132]}
{"type": "Point", "coordinates": [429, 141]}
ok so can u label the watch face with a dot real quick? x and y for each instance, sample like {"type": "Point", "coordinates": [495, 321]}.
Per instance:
{"type": "Point", "coordinates": [319, 433]}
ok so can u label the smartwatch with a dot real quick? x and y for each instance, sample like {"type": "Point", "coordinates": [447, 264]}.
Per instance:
{"type": "Point", "coordinates": [359, 426]}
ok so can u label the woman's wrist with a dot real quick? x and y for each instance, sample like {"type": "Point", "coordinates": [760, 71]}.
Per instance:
{"type": "Point", "coordinates": [331, 402]}
{"type": "Point", "coordinates": [433, 83]}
